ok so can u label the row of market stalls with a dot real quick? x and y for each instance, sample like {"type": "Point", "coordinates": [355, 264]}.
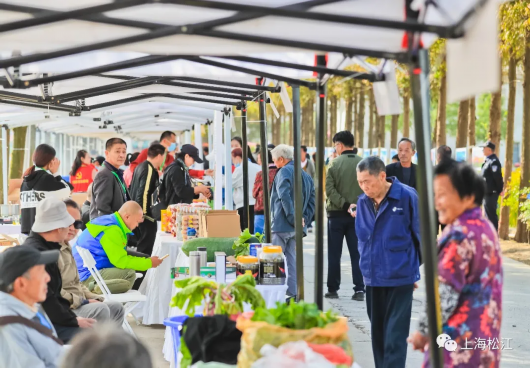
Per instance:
{"type": "Point", "coordinates": [99, 68]}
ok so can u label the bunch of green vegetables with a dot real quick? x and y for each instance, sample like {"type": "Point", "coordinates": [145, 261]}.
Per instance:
{"type": "Point", "coordinates": [297, 316]}
{"type": "Point", "coordinates": [217, 298]}
{"type": "Point", "coordinates": [241, 246]}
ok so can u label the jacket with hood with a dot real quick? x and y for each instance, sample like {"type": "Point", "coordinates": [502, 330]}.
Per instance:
{"type": "Point", "coordinates": [21, 346]}
{"type": "Point", "coordinates": [176, 185]}
{"type": "Point", "coordinates": [106, 239]}
{"type": "Point", "coordinates": [37, 186]}
{"type": "Point", "coordinates": [143, 185]}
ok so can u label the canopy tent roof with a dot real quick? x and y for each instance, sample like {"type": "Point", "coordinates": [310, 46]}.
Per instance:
{"type": "Point", "coordinates": [87, 39]}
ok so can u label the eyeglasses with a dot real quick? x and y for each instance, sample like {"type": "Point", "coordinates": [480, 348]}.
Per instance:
{"type": "Point", "coordinates": [78, 224]}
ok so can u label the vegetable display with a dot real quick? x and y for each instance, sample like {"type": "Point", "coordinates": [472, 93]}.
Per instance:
{"type": "Point", "coordinates": [218, 298]}
{"type": "Point", "coordinates": [298, 316]}
{"type": "Point", "coordinates": [212, 245]}
{"type": "Point", "coordinates": [241, 245]}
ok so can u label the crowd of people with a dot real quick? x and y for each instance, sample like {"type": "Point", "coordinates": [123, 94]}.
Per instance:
{"type": "Point", "coordinates": [48, 295]}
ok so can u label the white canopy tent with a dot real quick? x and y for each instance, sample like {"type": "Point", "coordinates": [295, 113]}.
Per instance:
{"type": "Point", "coordinates": [67, 37]}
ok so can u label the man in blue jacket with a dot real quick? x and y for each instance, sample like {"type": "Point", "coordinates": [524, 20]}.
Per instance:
{"type": "Point", "coordinates": [387, 226]}
{"type": "Point", "coordinates": [282, 208]}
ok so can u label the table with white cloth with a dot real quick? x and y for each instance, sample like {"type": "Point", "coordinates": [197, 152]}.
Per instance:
{"type": "Point", "coordinates": [9, 229]}
{"type": "Point", "coordinates": [157, 283]}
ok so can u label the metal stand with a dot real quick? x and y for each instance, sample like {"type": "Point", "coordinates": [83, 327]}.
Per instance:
{"type": "Point", "coordinates": [265, 167]}
{"type": "Point", "coordinates": [298, 211]}
{"type": "Point", "coordinates": [319, 188]}
{"type": "Point", "coordinates": [419, 73]}
{"type": "Point", "coordinates": [246, 213]}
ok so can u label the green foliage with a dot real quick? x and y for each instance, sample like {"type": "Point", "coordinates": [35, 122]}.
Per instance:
{"type": "Point", "coordinates": [241, 246]}
{"type": "Point", "coordinates": [483, 117]}
{"type": "Point", "coordinates": [511, 196]}
{"type": "Point", "coordinates": [524, 215]}
{"type": "Point", "coordinates": [297, 316]}
{"type": "Point", "coordinates": [186, 355]}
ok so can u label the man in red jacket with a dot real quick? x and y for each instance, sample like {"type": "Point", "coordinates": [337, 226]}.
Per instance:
{"type": "Point", "coordinates": [169, 140]}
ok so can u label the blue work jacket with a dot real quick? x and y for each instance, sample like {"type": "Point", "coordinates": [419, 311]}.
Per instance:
{"type": "Point", "coordinates": [389, 242]}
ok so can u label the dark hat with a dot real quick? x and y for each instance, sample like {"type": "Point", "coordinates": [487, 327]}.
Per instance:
{"type": "Point", "coordinates": [16, 261]}
{"type": "Point", "coordinates": [191, 150]}
{"type": "Point", "coordinates": [489, 144]}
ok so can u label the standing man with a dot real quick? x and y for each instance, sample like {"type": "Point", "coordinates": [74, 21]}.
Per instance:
{"type": "Point", "coordinates": [492, 174]}
{"type": "Point", "coordinates": [307, 165]}
{"type": "Point", "coordinates": [342, 191]}
{"type": "Point", "coordinates": [144, 183]}
{"type": "Point", "coordinates": [282, 208]}
{"type": "Point", "coordinates": [388, 230]}
{"type": "Point", "coordinates": [109, 191]}
{"type": "Point", "coordinates": [169, 141]}
{"type": "Point", "coordinates": [404, 169]}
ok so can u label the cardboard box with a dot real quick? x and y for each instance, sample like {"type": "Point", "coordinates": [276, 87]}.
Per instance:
{"type": "Point", "coordinates": [222, 224]}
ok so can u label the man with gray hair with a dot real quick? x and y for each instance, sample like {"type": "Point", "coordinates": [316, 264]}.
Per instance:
{"type": "Point", "coordinates": [404, 169]}
{"type": "Point", "coordinates": [282, 208]}
{"type": "Point", "coordinates": [388, 226]}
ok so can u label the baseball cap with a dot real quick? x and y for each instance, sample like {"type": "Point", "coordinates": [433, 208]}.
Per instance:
{"type": "Point", "coordinates": [16, 261]}
{"type": "Point", "coordinates": [191, 150]}
{"type": "Point", "coordinates": [489, 144]}
{"type": "Point", "coordinates": [51, 215]}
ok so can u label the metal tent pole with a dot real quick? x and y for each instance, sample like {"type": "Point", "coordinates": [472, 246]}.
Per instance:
{"type": "Point", "coordinates": [420, 95]}
{"type": "Point", "coordinates": [198, 143]}
{"type": "Point", "coordinates": [246, 210]}
{"type": "Point", "coordinates": [229, 202]}
{"type": "Point", "coordinates": [299, 233]}
{"type": "Point", "coordinates": [265, 166]}
{"type": "Point", "coordinates": [5, 164]}
{"type": "Point", "coordinates": [319, 188]}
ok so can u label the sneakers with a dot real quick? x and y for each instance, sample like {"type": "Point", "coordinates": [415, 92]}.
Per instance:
{"type": "Point", "coordinates": [331, 295]}
{"type": "Point", "coordinates": [359, 296]}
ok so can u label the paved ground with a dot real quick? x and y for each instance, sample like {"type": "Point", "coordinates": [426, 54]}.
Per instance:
{"type": "Point", "coordinates": [516, 314]}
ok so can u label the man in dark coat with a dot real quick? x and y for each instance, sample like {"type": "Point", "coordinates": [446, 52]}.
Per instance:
{"type": "Point", "coordinates": [404, 170]}
{"type": "Point", "coordinates": [492, 174]}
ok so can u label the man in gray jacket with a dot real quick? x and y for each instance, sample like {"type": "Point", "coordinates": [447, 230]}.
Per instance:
{"type": "Point", "coordinates": [27, 336]}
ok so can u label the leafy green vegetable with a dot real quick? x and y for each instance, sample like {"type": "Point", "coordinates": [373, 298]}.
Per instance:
{"type": "Point", "coordinates": [186, 355]}
{"type": "Point", "coordinates": [298, 316]}
{"type": "Point", "coordinates": [242, 244]}
{"type": "Point", "coordinates": [217, 298]}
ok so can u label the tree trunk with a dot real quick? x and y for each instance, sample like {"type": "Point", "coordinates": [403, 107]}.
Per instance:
{"type": "Point", "coordinates": [276, 127]}
{"type": "Point", "coordinates": [355, 111]}
{"type": "Point", "coordinates": [17, 157]}
{"type": "Point", "coordinates": [471, 136]}
{"type": "Point", "coordinates": [521, 234]}
{"type": "Point", "coordinates": [504, 220]}
{"type": "Point", "coordinates": [373, 119]}
{"type": "Point", "coordinates": [463, 117]}
{"type": "Point", "coordinates": [495, 119]}
{"type": "Point", "coordinates": [348, 123]}
{"type": "Point", "coordinates": [406, 113]}
{"type": "Point", "coordinates": [381, 132]}
{"type": "Point", "coordinates": [360, 123]}
{"type": "Point", "coordinates": [441, 132]}
{"type": "Point", "coordinates": [332, 119]}
{"type": "Point", "coordinates": [394, 131]}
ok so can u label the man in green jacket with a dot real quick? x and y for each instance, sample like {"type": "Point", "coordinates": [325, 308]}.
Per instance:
{"type": "Point", "coordinates": [342, 190]}
{"type": "Point", "coordinates": [106, 239]}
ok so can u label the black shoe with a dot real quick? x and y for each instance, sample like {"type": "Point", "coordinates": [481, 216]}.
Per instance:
{"type": "Point", "coordinates": [290, 299]}
{"type": "Point", "coordinates": [331, 295]}
{"type": "Point", "coordinates": [359, 296]}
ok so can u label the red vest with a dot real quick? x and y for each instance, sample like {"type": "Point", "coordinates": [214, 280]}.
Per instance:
{"type": "Point", "coordinates": [82, 178]}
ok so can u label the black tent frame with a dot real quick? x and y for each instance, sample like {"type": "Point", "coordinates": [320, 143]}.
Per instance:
{"type": "Point", "coordinates": [416, 58]}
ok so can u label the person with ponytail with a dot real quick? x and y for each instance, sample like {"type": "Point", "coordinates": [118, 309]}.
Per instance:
{"type": "Point", "coordinates": [83, 172]}
{"type": "Point", "coordinates": [128, 173]}
{"type": "Point", "coordinates": [41, 181]}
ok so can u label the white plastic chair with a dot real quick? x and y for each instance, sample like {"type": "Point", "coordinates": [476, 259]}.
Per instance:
{"type": "Point", "coordinates": [129, 299]}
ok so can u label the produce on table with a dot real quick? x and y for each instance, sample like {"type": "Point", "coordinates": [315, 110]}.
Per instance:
{"type": "Point", "coordinates": [242, 244]}
{"type": "Point", "coordinates": [286, 323]}
{"type": "Point", "coordinates": [212, 245]}
{"type": "Point", "coordinates": [217, 298]}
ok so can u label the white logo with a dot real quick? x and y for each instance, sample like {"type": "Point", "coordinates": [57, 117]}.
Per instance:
{"type": "Point", "coordinates": [494, 168]}
{"type": "Point", "coordinates": [444, 340]}
{"type": "Point", "coordinates": [397, 209]}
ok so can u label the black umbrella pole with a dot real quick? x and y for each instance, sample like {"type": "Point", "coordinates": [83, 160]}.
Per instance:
{"type": "Point", "coordinates": [265, 166]}
{"type": "Point", "coordinates": [428, 226]}
{"type": "Point", "coordinates": [244, 138]}
{"type": "Point", "coordinates": [299, 233]}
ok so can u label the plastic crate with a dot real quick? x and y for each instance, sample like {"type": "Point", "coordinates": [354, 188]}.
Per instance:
{"type": "Point", "coordinates": [175, 323]}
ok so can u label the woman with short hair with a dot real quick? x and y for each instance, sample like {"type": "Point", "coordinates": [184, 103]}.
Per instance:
{"type": "Point", "coordinates": [470, 273]}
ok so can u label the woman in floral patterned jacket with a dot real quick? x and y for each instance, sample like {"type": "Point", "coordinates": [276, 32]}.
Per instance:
{"type": "Point", "coordinates": [469, 274]}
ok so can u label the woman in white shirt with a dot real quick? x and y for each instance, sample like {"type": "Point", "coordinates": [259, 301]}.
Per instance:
{"type": "Point", "coordinates": [237, 185]}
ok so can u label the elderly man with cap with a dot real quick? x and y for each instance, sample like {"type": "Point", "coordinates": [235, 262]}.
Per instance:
{"type": "Point", "coordinates": [27, 336]}
{"type": "Point", "coordinates": [52, 223]}
{"type": "Point", "coordinates": [492, 174]}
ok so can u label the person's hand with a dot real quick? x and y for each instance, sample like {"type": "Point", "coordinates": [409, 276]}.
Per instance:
{"type": "Point", "coordinates": [85, 322]}
{"type": "Point", "coordinates": [202, 189]}
{"type": "Point", "coordinates": [352, 210]}
{"type": "Point", "coordinates": [416, 286]}
{"type": "Point", "coordinates": [303, 222]}
{"type": "Point", "coordinates": [418, 341]}
{"type": "Point", "coordinates": [93, 301]}
{"type": "Point", "coordinates": [155, 261]}
{"type": "Point", "coordinates": [54, 165]}
{"type": "Point", "coordinates": [209, 172]}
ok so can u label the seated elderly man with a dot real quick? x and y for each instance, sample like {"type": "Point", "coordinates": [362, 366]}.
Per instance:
{"type": "Point", "coordinates": [83, 302]}
{"type": "Point", "coordinates": [106, 239]}
{"type": "Point", "coordinates": [27, 336]}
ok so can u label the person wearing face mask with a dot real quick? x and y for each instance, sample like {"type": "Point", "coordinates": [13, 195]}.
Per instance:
{"type": "Point", "coordinates": [239, 188]}
{"type": "Point", "coordinates": [83, 172]}
{"type": "Point", "coordinates": [176, 186]}
{"type": "Point", "coordinates": [169, 141]}
{"type": "Point", "coordinates": [98, 162]}
{"type": "Point", "coordinates": [42, 180]}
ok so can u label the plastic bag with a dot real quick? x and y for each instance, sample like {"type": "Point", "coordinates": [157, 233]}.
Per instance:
{"type": "Point", "coordinates": [291, 355]}
{"type": "Point", "coordinates": [258, 334]}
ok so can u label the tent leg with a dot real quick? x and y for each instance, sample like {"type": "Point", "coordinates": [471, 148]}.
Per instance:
{"type": "Point", "coordinates": [319, 188]}
{"type": "Point", "coordinates": [198, 143]}
{"type": "Point", "coordinates": [229, 202]}
{"type": "Point", "coordinates": [420, 94]}
{"type": "Point", "coordinates": [246, 213]}
{"type": "Point", "coordinates": [5, 164]}
{"type": "Point", "coordinates": [298, 195]}
{"type": "Point", "coordinates": [265, 166]}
